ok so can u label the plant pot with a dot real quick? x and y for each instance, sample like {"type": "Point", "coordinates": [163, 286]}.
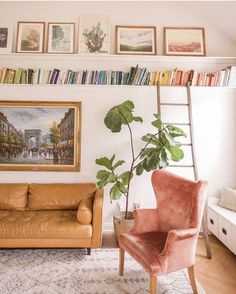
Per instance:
{"type": "Point", "coordinates": [122, 225]}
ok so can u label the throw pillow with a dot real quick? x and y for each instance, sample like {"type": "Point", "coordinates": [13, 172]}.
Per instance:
{"type": "Point", "coordinates": [228, 198]}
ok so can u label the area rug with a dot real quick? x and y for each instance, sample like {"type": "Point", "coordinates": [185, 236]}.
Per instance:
{"type": "Point", "coordinates": [71, 271]}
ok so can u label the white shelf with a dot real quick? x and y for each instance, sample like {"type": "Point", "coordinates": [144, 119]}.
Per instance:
{"type": "Point", "coordinates": [7, 86]}
{"type": "Point", "coordinates": [118, 58]}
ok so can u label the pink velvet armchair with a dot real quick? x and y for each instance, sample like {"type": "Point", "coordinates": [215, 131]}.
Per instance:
{"type": "Point", "coordinates": [164, 239]}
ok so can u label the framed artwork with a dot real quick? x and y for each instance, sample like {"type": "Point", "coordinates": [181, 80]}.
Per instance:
{"type": "Point", "coordinates": [6, 35]}
{"type": "Point", "coordinates": [136, 40]}
{"type": "Point", "coordinates": [40, 136]}
{"type": "Point", "coordinates": [184, 41]}
{"type": "Point", "coordinates": [30, 37]}
{"type": "Point", "coordinates": [94, 35]}
{"type": "Point", "coordinates": [61, 37]}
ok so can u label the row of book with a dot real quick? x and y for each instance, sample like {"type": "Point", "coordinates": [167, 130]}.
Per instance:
{"type": "Point", "coordinates": [135, 76]}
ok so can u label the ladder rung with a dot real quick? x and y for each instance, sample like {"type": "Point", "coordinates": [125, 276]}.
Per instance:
{"type": "Point", "coordinates": [175, 104]}
{"type": "Point", "coordinates": [178, 124]}
{"type": "Point", "coordinates": [186, 144]}
{"type": "Point", "coordinates": [181, 165]}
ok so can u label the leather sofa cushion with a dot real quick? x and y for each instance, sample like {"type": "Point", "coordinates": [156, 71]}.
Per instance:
{"type": "Point", "coordinates": [57, 224]}
{"type": "Point", "coordinates": [58, 196]}
{"type": "Point", "coordinates": [84, 213]}
{"type": "Point", "coordinates": [13, 196]}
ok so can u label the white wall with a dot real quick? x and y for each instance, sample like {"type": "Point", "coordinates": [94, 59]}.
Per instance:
{"type": "Point", "coordinates": [214, 109]}
{"type": "Point", "coordinates": [218, 18]}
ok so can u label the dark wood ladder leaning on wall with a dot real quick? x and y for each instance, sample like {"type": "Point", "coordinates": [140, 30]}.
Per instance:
{"type": "Point", "coordinates": [189, 124]}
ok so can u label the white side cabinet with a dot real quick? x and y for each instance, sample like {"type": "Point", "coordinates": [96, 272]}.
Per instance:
{"type": "Point", "coordinates": [222, 223]}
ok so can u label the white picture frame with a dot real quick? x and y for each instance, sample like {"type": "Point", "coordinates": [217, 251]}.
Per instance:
{"type": "Point", "coordinates": [61, 37]}
{"type": "Point", "coordinates": [30, 37]}
{"type": "Point", "coordinates": [98, 26]}
{"type": "Point", "coordinates": [6, 36]}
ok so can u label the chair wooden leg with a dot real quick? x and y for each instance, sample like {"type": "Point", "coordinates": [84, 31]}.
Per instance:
{"type": "Point", "coordinates": [205, 234]}
{"type": "Point", "coordinates": [122, 261]}
{"type": "Point", "coordinates": [192, 279]}
{"type": "Point", "coordinates": [153, 284]}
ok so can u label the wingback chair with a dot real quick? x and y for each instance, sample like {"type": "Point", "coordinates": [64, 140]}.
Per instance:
{"type": "Point", "coordinates": [164, 239]}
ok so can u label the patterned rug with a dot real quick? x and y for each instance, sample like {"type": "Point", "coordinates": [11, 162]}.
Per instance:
{"type": "Point", "coordinates": [71, 271]}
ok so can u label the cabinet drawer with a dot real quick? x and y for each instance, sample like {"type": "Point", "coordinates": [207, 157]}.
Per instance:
{"type": "Point", "coordinates": [212, 221]}
{"type": "Point", "coordinates": [225, 231]}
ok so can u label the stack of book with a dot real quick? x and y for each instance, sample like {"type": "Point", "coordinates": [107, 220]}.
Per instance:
{"type": "Point", "coordinates": [135, 76]}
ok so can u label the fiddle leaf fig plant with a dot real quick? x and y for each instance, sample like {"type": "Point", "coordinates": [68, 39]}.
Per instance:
{"type": "Point", "coordinates": [157, 150]}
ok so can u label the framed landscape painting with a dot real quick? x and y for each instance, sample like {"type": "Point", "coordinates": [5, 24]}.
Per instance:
{"type": "Point", "coordinates": [6, 35]}
{"type": "Point", "coordinates": [61, 37]}
{"type": "Point", "coordinates": [184, 41]}
{"type": "Point", "coordinates": [94, 35]}
{"type": "Point", "coordinates": [30, 37]}
{"type": "Point", "coordinates": [40, 136]}
{"type": "Point", "coordinates": [136, 40]}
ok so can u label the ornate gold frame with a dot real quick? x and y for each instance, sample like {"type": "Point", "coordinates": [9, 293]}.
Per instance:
{"type": "Point", "coordinates": [77, 137]}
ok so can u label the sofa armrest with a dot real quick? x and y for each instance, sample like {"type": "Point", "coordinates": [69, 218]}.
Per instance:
{"type": "Point", "coordinates": [145, 220]}
{"type": "Point", "coordinates": [97, 219]}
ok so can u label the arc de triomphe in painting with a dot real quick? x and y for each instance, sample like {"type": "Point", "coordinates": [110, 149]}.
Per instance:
{"type": "Point", "coordinates": [33, 133]}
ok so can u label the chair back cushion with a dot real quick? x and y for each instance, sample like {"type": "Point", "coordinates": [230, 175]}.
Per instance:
{"type": "Point", "coordinates": [58, 196]}
{"type": "Point", "coordinates": [180, 201]}
{"type": "Point", "coordinates": [13, 196]}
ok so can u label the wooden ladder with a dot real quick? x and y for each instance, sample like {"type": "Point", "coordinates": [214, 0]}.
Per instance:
{"type": "Point", "coordinates": [189, 124]}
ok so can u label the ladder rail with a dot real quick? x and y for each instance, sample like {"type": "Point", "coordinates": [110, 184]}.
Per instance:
{"type": "Point", "coordinates": [193, 151]}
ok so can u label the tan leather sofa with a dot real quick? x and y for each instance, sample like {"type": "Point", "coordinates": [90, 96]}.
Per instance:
{"type": "Point", "coordinates": [50, 215]}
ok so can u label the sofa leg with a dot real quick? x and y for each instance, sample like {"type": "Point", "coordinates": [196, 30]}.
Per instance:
{"type": "Point", "coordinates": [88, 251]}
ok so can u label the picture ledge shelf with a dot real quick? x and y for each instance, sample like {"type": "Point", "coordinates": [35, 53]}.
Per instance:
{"type": "Point", "coordinates": [117, 57]}
{"type": "Point", "coordinates": [61, 86]}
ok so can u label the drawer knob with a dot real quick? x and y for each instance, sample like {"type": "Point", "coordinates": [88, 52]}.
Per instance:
{"type": "Point", "coordinates": [211, 221]}
{"type": "Point", "coordinates": [224, 231]}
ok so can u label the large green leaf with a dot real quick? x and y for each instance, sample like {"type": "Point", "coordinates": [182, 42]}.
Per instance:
{"type": "Point", "coordinates": [176, 153]}
{"type": "Point", "coordinates": [113, 120]}
{"type": "Point", "coordinates": [115, 192]}
{"type": "Point", "coordinates": [151, 139]}
{"type": "Point", "coordinates": [104, 161]}
{"type": "Point", "coordinates": [157, 124]}
{"type": "Point", "coordinates": [101, 174]}
{"type": "Point", "coordinates": [126, 177]}
{"type": "Point", "coordinates": [139, 169]}
{"type": "Point", "coordinates": [119, 115]}
{"type": "Point", "coordinates": [152, 161]}
{"type": "Point", "coordinates": [176, 132]}
{"type": "Point", "coordinates": [121, 187]}
{"type": "Point", "coordinates": [119, 162]}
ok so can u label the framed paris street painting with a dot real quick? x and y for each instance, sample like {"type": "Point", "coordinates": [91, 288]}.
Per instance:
{"type": "Point", "coordinates": [40, 136]}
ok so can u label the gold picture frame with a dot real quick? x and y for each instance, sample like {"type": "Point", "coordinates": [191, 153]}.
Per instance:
{"type": "Point", "coordinates": [129, 38]}
{"type": "Point", "coordinates": [62, 40]}
{"type": "Point", "coordinates": [30, 37]}
{"type": "Point", "coordinates": [40, 136]}
{"type": "Point", "coordinates": [184, 41]}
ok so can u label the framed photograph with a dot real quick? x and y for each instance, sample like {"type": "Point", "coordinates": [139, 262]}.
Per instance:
{"type": "Point", "coordinates": [61, 37]}
{"type": "Point", "coordinates": [184, 41]}
{"type": "Point", "coordinates": [6, 35]}
{"type": "Point", "coordinates": [94, 35]}
{"type": "Point", "coordinates": [136, 40]}
{"type": "Point", "coordinates": [40, 136]}
{"type": "Point", "coordinates": [30, 37]}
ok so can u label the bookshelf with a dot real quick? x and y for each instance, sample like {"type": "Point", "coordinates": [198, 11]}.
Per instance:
{"type": "Point", "coordinates": [112, 62]}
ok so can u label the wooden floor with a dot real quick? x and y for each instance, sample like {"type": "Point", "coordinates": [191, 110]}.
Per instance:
{"type": "Point", "coordinates": [217, 276]}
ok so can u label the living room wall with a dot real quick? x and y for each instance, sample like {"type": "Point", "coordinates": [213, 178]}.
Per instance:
{"type": "Point", "coordinates": [214, 110]}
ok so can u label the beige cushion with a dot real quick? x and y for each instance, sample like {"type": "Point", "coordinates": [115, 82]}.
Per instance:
{"type": "Point", "coordinates": [84, 213]}
{"type": "Point", "coordinates": [58, 196]}
{"type": "Point", "coordinates": [228, 198]}
{"type": "Point", "coordinates": [13, 196]}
